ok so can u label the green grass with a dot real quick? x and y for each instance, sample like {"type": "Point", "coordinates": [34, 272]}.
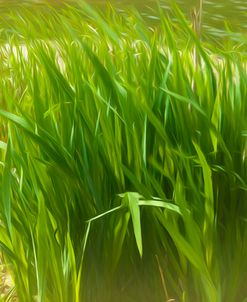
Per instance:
{"type": "Point", "coordinates": [122, 163]}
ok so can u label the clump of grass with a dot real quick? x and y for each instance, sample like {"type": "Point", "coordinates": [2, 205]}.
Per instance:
{"type": "Point", "coordinates": [111, 188]}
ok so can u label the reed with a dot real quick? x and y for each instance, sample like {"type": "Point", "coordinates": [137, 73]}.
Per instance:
{"type": "Point", "coordinates": [111, 190]}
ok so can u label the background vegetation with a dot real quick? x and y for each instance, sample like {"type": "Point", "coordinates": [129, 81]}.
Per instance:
{"type": "Point", "coordinates": [123, 159]}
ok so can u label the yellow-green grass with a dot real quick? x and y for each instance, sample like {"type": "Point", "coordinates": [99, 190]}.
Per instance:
{"type": "Point", "coordinates": [122, 162]}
